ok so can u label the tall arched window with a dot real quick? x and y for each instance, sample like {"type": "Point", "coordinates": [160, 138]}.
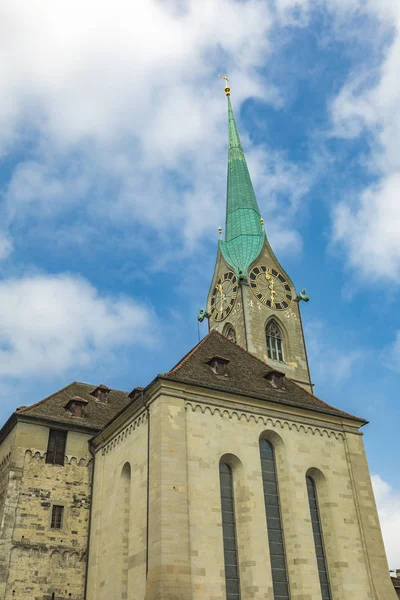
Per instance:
{"type": "Point", "coordinates": [318, 541]}
{"type": "Point", "coordinates": [274, 341]}
{"type": "Point", "coordinates": [125, 523]}
{"type": "Point", "coordinates": [229, 533]}
{"type": "Point", "coordinates": [229, 332]}
{"type": "Point", "coordinates": [274, 522]}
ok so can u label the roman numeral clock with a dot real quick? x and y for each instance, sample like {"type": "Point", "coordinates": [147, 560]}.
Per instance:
{"type": "Point", "coordinates": [224, 296]}
{"type": "Point", "coordinates": [270, 287]}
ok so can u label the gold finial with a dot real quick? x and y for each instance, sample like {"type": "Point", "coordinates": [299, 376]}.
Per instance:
{"type": "Point", "coordinates": [227, 88]}
{"type": "Point", "coordinates": [262, 221]}
{"type": "Point", "coordinates": [220, 230]}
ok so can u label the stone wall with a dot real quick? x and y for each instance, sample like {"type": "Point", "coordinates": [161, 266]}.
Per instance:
{"type": "Point", "coordinates": [117, 557]}
{"type": "Point", "coordinates": [190, 431]}
{"type": "Point", "coordinates": [42, 561]}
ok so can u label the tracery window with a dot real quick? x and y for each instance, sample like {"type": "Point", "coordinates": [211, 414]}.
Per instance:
{"type": "Point", "coordinates": [274, 522]}
{"type": "Point", "coordinates": [229, 533]}
{"type": "Point", "coordinates": [229, 332]}
{"type": "Point", "coordinates": [318, 541]}
{"type": "Point", "coordinates": [274, 341]}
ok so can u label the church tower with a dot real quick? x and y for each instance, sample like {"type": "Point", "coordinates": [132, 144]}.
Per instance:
{"type": "Point", "coordinates": [252, 300]}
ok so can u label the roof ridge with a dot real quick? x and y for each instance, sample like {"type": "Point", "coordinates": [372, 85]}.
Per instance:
{"type": "Point", "coordinates": [63, 389]}
{"type": "Point", "coordinates": [189, 354]}
{"type": "Point", "coordinates": [25, 408]}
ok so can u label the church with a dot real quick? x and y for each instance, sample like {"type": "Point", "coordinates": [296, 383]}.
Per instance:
{"type": "Point", "coordinates": [225, 478]}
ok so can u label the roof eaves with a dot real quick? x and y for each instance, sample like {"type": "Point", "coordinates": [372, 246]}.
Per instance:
{"type": "Point", "coordinates": [279, 402]}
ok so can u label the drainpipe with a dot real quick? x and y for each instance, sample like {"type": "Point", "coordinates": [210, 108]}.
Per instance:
{"type": "Point", "coordinates": [90, 524]}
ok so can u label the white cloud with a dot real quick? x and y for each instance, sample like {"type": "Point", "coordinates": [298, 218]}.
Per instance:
{"type": "Point", "coordinates": [368, 224]}
{"type": "Point", "coordinates": [123, 111]}
{"type": "Point", "coordinates": [6, 246]}
{"type": "Point", "coordinates": [51, 323]}
{"type": "Point", "coordinates": [388, 504]}
{"type": "Point", "coordinates": [328, 363]}
{"type": "Point", "coordinates": [370, 228]}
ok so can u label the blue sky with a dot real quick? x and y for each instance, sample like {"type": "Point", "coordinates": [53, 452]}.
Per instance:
{"type": "Point", "coordinates": [113, 147]}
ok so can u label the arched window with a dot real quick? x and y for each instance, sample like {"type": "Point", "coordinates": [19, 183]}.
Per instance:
{"type": "Point", "coordinates": [318, 541]}
{"type": "Point", "coordinates": [274, 522]}
{"type": "Point", "coordinates": [229, 533]}
{"type": "Point", "coordinates": [274, 341]}
{"type": "Point", "coordinates": [229, 332]}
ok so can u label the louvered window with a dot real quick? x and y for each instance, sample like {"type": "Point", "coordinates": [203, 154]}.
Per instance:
{"type": "Point", "coordinates": [229, 534]}
{"type": "Point", "coordinates": [318, 541]}
{"type": "Point", "coordinates": [274, 522]}
{"type": "Point", "coordinates": [274, 341]}
{"type": "Point", "coordinates": [57, 517]}
{"type": "Point", "coordinates": [55, 454]}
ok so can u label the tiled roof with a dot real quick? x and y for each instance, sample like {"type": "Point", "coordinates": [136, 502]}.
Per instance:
{"type": "Point", "coordinates": [95, 414]}
{"type": "Point", "coordinates": [244, 235]}
{"type": "Point", "coordinates": [396, 582]}
{"type": "Point", "coordinates": [246, 376]}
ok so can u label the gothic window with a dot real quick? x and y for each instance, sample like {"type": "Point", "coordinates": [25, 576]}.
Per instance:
{"type": "Point", "coordinates": [57, 517]}
{"type": "Point", "coordinates": [274, 341]}
{"type": "Point", "coordinates": [274, 523]}
{"type": "Point", "coordinates": [229, 332]}
{"type": "Point", "coordinates": [229, 533]}
{"type": "Point", "coordinates": [55, 454]}
{"type": "Point", "coordinates": [318, 541]}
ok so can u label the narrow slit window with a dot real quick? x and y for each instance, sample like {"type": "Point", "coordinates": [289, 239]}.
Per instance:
{"type": "Point", "coordinates": [55, 454]}
{"type": "Point", "coordinates": [57, 516]}
{"type": "Point", "coordinates": [229, 533]}
{"type": "Point", "coordinates": [274, 341]}
{"type": "Point", "coordinates": [318, 540]}
{"type": "Point", "coordinates": [274, 522]}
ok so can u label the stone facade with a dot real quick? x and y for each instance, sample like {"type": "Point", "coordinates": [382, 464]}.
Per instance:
{"type": "Point", "coordinates": [191, 430]}
{"type": "Point", "coordinates": [148, 483]}
{"type": "Point", "coordinates": [37, 561]}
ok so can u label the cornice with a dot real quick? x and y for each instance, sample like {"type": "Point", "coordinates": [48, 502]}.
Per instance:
{"type": "Point", "coordinates": [229, 402]}
{"type": "Point", "coordinates": [69, 460]}
{"type": "Point", "coordinates": [112, 442]}
{"type": "Point", "coordinates": [263, 419]}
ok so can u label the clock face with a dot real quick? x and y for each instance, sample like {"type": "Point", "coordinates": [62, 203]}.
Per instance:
{"type": "Point", "coordinates": [270, 287]}
{"type": "Point", "coordinates": [224, 296]}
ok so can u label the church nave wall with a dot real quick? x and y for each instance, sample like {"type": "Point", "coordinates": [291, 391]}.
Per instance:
{"type": "Point", "coordinates": [117, 565]}
{"type": "Point", "coordinates": [297, 450]}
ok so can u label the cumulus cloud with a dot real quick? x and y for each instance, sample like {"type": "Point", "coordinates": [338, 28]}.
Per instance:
{"type": "Point", "coordinates": [367, 223]}
{"type": "Point", "coordinates": [122, 112]}
{"type": "Point", "coordinates": [329, 364]}
{"type": "Point", "coordinates": [388, 504]}
{"type": "Point", "coordinates": [51, 323]}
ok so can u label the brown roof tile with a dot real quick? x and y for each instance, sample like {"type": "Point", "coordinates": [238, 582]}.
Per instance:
{"type": "Point", "coordinates": [95, 414]}
{"type": "Point", "coordinates": [246, 376]}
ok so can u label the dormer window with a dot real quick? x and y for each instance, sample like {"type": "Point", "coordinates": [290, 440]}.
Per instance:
{"type": "Point", "coordinates": [276, 379]}
{"type": "Point", "coordinates": [219, 365]}
{"type": "Point", "coordinates": [76, 406]}
{"type": "Point", "coordinates": [101, 393]}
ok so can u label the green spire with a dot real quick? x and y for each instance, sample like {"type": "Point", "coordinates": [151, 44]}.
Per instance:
{"type": "Point", "coordinates": [244, 233]}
